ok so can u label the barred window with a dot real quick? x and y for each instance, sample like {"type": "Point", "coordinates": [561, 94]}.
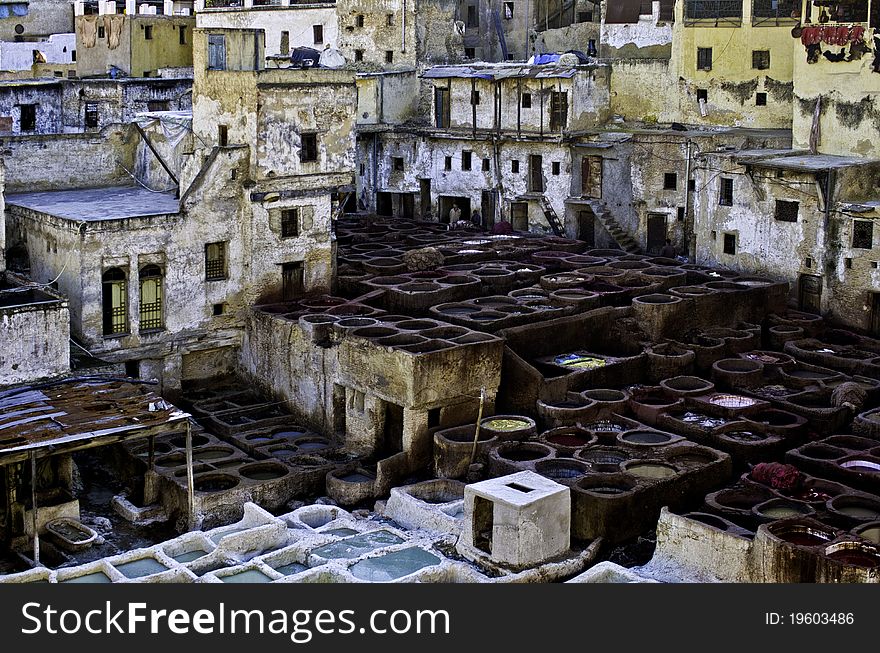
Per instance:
{"type": "Point", "coordinates": [215, 261]}
{"type": "Point", "coordinates": [151, 298]}
{"type": "Point", "coordinates": [115, 301]}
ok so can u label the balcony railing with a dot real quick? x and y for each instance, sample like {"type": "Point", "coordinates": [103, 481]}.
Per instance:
{"type": "Point", "coordinates": [775, 12]}
{"type": "Point", "coordinates": [721, 13]}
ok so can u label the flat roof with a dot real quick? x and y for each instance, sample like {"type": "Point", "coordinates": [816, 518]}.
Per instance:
{"type": "Point", "coordinates": [97, 204]}
{"type": "Point", "coordinates": [813, 162]}
{"type": "Point", "coordinates": [77, 414]}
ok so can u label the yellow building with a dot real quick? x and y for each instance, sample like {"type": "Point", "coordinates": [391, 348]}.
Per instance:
{"type": "Point", "coordinates": [837, 63]}
{"type": "Point", "coordinates": [734, 61]}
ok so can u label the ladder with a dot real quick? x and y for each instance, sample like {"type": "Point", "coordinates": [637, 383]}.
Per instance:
{"type": "Point", "coordinates": [551, 216]}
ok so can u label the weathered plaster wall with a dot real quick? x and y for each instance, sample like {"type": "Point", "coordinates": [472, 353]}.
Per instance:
{"type": "Point", "coordinates": [850, 111]}
{"type": "Point", "coordinates": [58, 48]}
{"type": "Point", "coordinates": [644, 90]}
{"type": "Point", "coordinates": [136, 55]}
{"type": "Point", "coordinates": [648, 38]}
{"type": "Point", "coordinates": [46, 96]}
{"type": "Point", "coordinates": [365, 25]}
{"type": "Point", "coordinates": [34, 342]}
{"type": "Point", "coordinates": [56, 161]}
{"type": "Point", "coordinates": [296, 20]}
{"type": "Point", "coordinates": [732, 83]}
{"type": "Point", "coordinates": [43, 17]}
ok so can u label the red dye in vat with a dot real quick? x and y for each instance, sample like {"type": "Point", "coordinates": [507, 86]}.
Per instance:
{"type": "Point", "coordinates": [810, 495]}
{"type": "Point", "coordinates": [568, 440]}
{"type": "Point", "coordinates": [852, 557]}
{"type": "Point", "coordinates": [803, 538]}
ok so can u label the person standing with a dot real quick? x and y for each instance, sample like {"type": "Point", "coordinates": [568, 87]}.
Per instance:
{"type": "Point", "coordinates": [668, 250]}
{"type": "Point", "coordinates": [454, 213]}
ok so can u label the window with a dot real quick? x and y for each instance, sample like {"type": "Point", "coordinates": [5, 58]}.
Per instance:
{"type": "Point", "coordinates": [218, 309]}
{"type": "Point", "coordinates": [363, 170]}
{"type": "Point", "coordinates": [485, 165]}
{"type": "Point", "coordinates": [761, 100]}
{"type": "Point", "coordinates": [73, 55]}
{"type": "Point", "coordinates": [692, 185]}
{"type": "Point", "coordinates": [114, 297]}
{"type": "Point", "coordinates": [222, 135]}
{"type": "Point", "coordinates": [389, 56]}
{"type": "Point", "coordinates": [475, 97]}
{"type": "Point", "coordinates": [181, 35]}
{"type": "Point", "coordinates": [148, 32]}
{"type": "Point", "coordinates": [151, 298]}
{"type": "Point", "coordinates": [473, 19]}
{"type": "Point", "coordinates": [157, 105]}
{"type": "Point", "coordinates": [514, 166]}
{"type": "Point", "coordinates": [808, 262]}
{"type": "Point", "coordinates": [284, 46]}
{"type": "Point", "coordinates": [133, 369]}
{"type": "Point", "coordinates": [786, 211]}
{"type": "Point", "coordinates": [760, 59]}
{"type": "Point", "coordinates": [358, 55]}
{"type": "Point", "coordinates": [100, 31]}
{"type": "Point", "coordinates": [730, 244]}
{"type": "Point", "coordinates": [555, 167]}
{"type": "Point", "coordinates": [465, 160]}
{"type": "Point", "coordinates": [526, 100]}
{"type": "Point", "coordinates": [670, 181]}
{"type": "Point", "coordinates": [863, 234]}
{"type": "Point", "coordinates": [702, 95]}
{"type": "Point", "coordinates": [318, 34]}
{"type": "Point", "coordinates": [847, 263]}
{"type": "Point", "coordinates": [681, 214]}
{"type": "Point", "coordinates": [397, 163]}
{"type": "Point", "coordinates": [28, 122]}
{"type": "Point", "coordinates": [470, 53]}
{"type": "Point", "coordinates": [215, 261]}
{"type": "Point", "coordinates": [558, 110]}
{"type": "Point", "coordinates": [292, 285]}
{"type": "Point", "coordinates": [508, 10]}
{"type": "Point", "coordinates": [447, 163]}
{"type": "Point", "coordinates": [389, 20]}
{"type": "Point", "coordinates": [308, 148]}
{"type": "Point", "coordinates": [289, 223]}
{"type": "Point", "coordinates": [91, 115]}
{"type": "Point", "coordinates": [726, 193]}
{"type": "Point", "coordinates": [359, 20]}
{"type": "Point", "coordinates": [216, 52]}
{"type": "Point", "coordinates": [441, 107]}
{"type": "Point", "coordinates": [704, 58]}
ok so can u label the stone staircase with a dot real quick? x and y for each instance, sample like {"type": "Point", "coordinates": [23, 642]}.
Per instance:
{"type": "Point", "coordinates": [626, 242]}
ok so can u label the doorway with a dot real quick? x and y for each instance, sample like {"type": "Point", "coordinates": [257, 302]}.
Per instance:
{"type": "Point", "coordinates": [425, 198]}
{"type": "Point", "coordinates": [810, 293]}
{"type": "Point", "coordinates": [519, 216]}
{"type": "Point", "coordinates": [656, 232]}
{"type": "Point", "coordinates": [586, 221]}
{"type": "Point", "coordinates": [446, 202]}
{"type": "Point", "coordinates": [384, 204]}
{"type": "Point", "coordinates": [875, 314]}
{"type": "Point", "coordinates": [407, 206]}
{"type": "Point", "coordinates": [487, 208]}
{"type": "Point", "coordinates": [483, 524]}
{"type": "Point", "coordinates": [591, 177]}
{"type": "Point", "coordinates": [392, 441]}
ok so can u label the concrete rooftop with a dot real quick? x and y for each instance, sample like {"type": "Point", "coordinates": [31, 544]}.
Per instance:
{"type": "Point", "coordinates": [96, 204]}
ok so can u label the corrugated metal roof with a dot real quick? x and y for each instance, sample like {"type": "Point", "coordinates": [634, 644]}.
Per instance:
{"type": "Point", "coordinates": [78, 410]}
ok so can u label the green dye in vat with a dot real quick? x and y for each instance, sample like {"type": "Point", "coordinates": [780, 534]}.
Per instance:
{"type": "Point", "coordinates": [860, 512]}
{"type": "Point", "coordinates": [141, 567]}
{"type": "Point", "coordinates": [580, 361]}
{"type": "Point", "coordinates": [249, 576]}
{"type": "Point", "coordinates": [290, 568]}
{"type": "Point", "coordinates": [341, 532]}
{"type": "Point", "coordinates": [781, 512]}
{"type": "Point", "coordinates": [94, 577]}
{"type": "Point", "coordinates": [651, 470]}
{"type": "Point", "coordinates": [189, 556]}
{"type": "Point", "coordinates": [394, 565]}
{"type": "Point", "coordinates": [353, 547]}
{"type": "Point", "coordinates": [871, 534]}
{"type": "Point", "coordinates": [505, 424]}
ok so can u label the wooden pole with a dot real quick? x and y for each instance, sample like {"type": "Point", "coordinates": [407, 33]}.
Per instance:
{"type": "Point", "coordinates": [34, 508]}
{"type": "Point", "coordinates": [190, 491]}
{"type": "Point", "coordinates": [477, 431]}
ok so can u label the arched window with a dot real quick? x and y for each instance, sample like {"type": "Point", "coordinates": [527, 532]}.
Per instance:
{"type": "Point", "coordinates": [114, 302]}
{"type": "Point", "coordinates": [151, 298]}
